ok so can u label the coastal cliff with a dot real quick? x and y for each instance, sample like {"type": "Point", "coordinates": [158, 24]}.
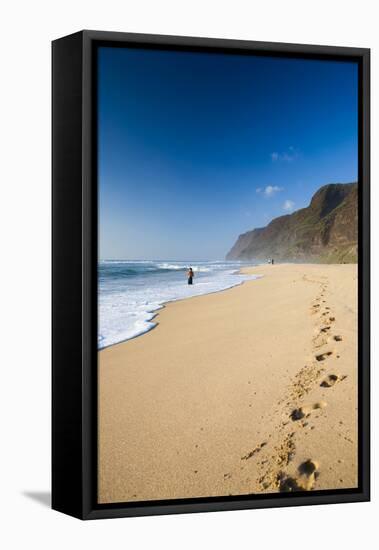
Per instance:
{"type": "Point", "coordinates": [325, 231]}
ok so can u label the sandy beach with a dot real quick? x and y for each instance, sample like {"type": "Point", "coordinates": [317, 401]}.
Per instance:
{"type": "Point", "coordinates": [249, 390]}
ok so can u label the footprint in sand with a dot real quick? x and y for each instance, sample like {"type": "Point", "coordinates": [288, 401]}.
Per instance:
{"type": "Point", "coordinates": [331, 379]}
{"type": "Point", "coordinates": [328, 321]}
{"type": "Point", "coordinates": [320, 342]}
{"type": "Point", "coordinates": [337, 338]}
{"type": "Point", "coordinates": [305, 410]}
{"type": "Point", "coordinates": [323, 356]}
{"type": "Point", "coordinates": [308, 472]}
{"type": "Point", "coordinates": [257, 449]}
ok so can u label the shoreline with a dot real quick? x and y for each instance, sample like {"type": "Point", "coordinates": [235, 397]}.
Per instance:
{"type": "Point", "coordinates": [232, 379]}
{"type": "Point", "coordinates": [164, 304]}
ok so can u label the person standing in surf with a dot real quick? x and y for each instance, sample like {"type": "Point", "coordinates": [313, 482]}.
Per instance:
{"type": "Point", "coordinates": [190, 275]}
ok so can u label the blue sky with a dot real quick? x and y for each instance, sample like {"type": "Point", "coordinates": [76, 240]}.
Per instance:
{"type": "Point", "coordinates": [196, 148]}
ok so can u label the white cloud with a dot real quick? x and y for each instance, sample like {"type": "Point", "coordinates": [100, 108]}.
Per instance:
{"type": "Point", "coordinates": [269, 190]}
{"type": "Point", "coordinates": [286, 156]}
{"type": "Point", "coordinates": [288, 205]}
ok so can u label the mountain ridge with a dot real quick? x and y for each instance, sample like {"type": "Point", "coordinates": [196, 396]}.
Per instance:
{"type": "Point", "coordinates": [324, 231]}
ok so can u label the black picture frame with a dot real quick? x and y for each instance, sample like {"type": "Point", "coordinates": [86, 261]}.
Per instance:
{"type": "Point", "coordinates": [74, 273]}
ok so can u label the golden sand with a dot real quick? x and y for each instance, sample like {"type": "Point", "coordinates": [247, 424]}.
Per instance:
{"type": "Point", "coordinates": [249, 390]}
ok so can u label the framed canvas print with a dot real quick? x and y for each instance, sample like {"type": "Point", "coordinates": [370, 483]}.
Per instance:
{"type": "Point", "coordinates": [210, 275]}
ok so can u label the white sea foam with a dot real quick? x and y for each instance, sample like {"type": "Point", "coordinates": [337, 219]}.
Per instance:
{"type": "Point", "coordinates": [166, 265]}
{"type": "Point", "coordinates": [131, 292]}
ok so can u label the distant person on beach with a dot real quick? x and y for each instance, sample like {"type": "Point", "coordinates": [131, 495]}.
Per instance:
{"type": "Point", "coordinates": [190, 276]}
{"type": "Point", "coordinates": [272, 261]}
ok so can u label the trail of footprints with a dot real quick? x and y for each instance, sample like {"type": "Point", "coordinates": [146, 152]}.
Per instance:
{"type": "Point", "coordinates": [273, 476]}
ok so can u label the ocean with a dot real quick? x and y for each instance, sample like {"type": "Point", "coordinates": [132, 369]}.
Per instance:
{"type": "Point", "coordinates": [131, 292]}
